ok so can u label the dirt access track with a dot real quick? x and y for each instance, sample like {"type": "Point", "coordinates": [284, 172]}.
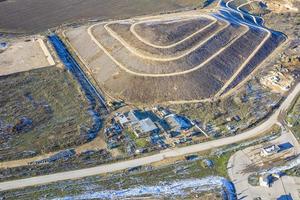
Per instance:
{"type": "Point", "coordinates": [187, 56]}
{"type": "Point", "coordinates": [24, 55]}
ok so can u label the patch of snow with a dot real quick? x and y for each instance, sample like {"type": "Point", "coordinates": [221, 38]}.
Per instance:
{"type": "Point", "coordinates": [175, 188]}
{"type": "Point", "coordinates": [289, 165]}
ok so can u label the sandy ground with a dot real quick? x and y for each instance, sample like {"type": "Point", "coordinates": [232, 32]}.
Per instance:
{"type": "Point", "coordinates": [97, 143]}
{"type": "Point", "coordinates": [283, 5]}
{"type": "Point", "coordinates": [25, 55]}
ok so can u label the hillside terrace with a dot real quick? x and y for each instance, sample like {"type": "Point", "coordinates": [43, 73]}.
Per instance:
{"type": "Point", "coordinates": [184, 55]}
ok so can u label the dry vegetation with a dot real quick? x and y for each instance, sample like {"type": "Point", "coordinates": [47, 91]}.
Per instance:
{"type": "Point", "coordinates": [40, 111]}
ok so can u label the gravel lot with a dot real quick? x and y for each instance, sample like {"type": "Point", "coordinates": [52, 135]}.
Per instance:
{"type": "Point", "coordinates": [25, 55]}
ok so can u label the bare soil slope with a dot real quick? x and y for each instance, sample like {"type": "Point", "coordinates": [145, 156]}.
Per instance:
{"type": "Point", "coordinates": [221, 52]}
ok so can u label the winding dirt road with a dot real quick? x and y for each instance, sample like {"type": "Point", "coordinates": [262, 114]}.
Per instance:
{"type": "Point", "coordinates": [132, 30]}
{"type": "Point", "coordinates": [166, 74]}
{"type": "Point", "coordinates": [165, 59]}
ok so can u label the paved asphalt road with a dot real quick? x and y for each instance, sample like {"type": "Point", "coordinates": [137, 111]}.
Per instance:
{"type": "Point", "coordinates": [153, 158]}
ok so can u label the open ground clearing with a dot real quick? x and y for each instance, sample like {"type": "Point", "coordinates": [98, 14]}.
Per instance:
{"type": "Point", "coordinates": [25, 55]}
{"type": "Point", "coordinates": [281, 6]}
{"type": "Point", "coordinates": [293, 118]}
{"type": "Point", "coordinates": [190, 65]}
{"type": "Point", "coordinates": [35, 15]}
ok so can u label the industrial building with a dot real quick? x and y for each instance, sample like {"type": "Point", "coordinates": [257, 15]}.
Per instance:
{"type": "Point", "coordinates": [178, 122]}
{"type": "Point", "coordinates": [144, 127]}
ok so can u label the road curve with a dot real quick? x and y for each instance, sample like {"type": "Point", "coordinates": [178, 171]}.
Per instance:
{"type": "Point", "coordinates": [223, 8]}
{"type": "Point", "coordinates": [132, 30]}
{"type": "Point", "coordinates": [220, 92]}
{"type": "Point", "coordinates": [242, 13]}
{"type": "Point", "coordinates": [244, 4]}
{"type": "Point", "coordinates": [107, 168]}
{"type": "Point", "coordinates": [161, 75]}
{"type": "Point", "coordinates": [166, 59]}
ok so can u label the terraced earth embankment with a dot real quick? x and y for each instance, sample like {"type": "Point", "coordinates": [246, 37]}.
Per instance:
{"type": "Point", "coordinates": [184, 56]}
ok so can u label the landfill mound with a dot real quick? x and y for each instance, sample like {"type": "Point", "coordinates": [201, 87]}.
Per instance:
{"type": "Point", "coordinates": [184, 56]}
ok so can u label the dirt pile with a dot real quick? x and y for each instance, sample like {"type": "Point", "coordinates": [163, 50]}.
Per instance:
{"type": "Point", "coordinates": [182, 56]}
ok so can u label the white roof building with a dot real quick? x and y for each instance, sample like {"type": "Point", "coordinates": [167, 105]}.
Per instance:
{"type": "Point", "coordinates": [122, 119]}
{"type": "Point", "coordinates": [270, 150]}
{"type": "Point", "coordinates": [143, 127]}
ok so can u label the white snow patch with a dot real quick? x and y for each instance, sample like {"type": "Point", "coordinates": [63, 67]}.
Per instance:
{"type": "Point", "coordinates": [290, 165]}
{"type": "Point", "coordinates": [175, 188]}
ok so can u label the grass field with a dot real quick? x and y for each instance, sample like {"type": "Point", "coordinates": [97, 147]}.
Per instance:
{"type": "Point", "coordinates": [293, 118]}
{"type": "Point", "coordinates": [40, 111]}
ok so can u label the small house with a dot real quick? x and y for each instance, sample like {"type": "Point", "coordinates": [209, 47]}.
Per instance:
{"type": "Point", "coordinates": [178, 122]}
{"type": "Point", "coordinates": [144, 127]}
{"type": "Point", "coordinates": [122, 119]}
{"type": "Point", "coordinates": [270, 150]}
{"type": "Point", "coordinates": [208, 163]}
